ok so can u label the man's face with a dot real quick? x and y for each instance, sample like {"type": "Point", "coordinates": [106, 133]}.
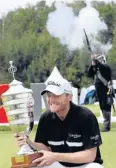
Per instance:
{"type": "Point", "coordinates": [101, 58]}
{"type": "Point", "coordinates": [58, 104]}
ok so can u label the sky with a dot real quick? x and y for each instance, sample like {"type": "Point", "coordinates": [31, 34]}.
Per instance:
{"type": "Point", "coordinates": [7, 5]}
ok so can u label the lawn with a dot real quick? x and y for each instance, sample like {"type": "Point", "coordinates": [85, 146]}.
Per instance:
{"type": "Point", "coordinates": [8, 148]}
{"type": "Point", "coordinates": [108, 148]}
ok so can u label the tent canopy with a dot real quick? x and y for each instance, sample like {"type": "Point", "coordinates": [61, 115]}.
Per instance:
{"type": "Point", "coordinates": [55, 74]}
{"type": "Point", "coordinates": [88, 95]}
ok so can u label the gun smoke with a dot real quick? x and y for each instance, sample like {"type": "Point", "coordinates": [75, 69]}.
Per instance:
{"type": "Point", "coordinates": [65, 25]}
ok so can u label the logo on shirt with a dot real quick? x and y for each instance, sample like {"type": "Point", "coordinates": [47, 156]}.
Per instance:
{"type": "Point", "coordinates": [74, 135]}
{"type": "Point", "coordinates": [94, 137]}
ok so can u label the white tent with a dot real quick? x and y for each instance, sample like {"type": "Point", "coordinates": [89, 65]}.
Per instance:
{"type": "Point", "coordinates": [84, 92]}
{"type": "Point", "coordinates": [55, 74]}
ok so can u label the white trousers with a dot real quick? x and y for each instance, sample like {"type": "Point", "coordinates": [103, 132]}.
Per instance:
{"type": "Point", "coordinates": [89, 165]}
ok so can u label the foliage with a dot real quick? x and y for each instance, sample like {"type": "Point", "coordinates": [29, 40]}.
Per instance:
{"type": "Point", "coordinates": [25, 40]}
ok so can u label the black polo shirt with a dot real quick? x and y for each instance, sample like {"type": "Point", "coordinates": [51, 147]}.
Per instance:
{"type": "Point", "coordinates": [77, 132]}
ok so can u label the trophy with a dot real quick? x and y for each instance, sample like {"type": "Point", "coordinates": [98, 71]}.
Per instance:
{"type": "Point", "coordinates": [18, 102]}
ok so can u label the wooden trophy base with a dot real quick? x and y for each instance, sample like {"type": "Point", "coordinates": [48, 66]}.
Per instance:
{"type": "Point", "coordinates": [25, 161]}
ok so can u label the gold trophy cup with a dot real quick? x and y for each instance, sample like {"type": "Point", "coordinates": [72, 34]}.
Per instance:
{"type": "Point", "coordinates": [18, 102]}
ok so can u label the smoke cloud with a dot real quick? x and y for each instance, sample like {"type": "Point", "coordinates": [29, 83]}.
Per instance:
{"type": "Point", "coordinates": [65, 25]}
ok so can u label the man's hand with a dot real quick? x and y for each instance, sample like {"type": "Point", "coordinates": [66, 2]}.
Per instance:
{"type": "Point", "coordinates": [93, 58]}
{"type": "Point", "coordinates": [47, 159]}
{"type": "Point", "coordinates": [20, 139]}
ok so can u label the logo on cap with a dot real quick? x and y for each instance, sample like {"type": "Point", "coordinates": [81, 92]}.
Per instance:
{"type": "Point", "coordinates": [53, 83]}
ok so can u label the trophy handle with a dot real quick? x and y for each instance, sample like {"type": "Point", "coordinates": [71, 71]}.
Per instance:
{"type": "Point", "coordinates": [30, 103]}
{"type": "Point", "coordinates": [29, 128]}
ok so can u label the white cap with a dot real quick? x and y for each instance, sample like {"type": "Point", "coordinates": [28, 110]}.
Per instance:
{"type": "Point", "coordinates": [58, 87]}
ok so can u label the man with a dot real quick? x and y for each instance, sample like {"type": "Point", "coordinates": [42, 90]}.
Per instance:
{"type": "Point", "coordinates": [67, 135]}
{"type": "Point", "coordinates": [101, 73]}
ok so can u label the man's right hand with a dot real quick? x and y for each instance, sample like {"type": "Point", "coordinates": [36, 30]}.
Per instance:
{"type": "Point", "coordinates": [20, 139]}
{"type": "Point", "coordinates": [93, 58]}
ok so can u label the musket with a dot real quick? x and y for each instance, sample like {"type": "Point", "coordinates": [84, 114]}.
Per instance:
{"type": "Point", "coordinates": [113, 95]}
{"type": "Point", "coordinates": [87, 40]}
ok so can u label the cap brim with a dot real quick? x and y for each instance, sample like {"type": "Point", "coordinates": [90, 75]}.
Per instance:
{"type": "Point", "coordinates": [53, 89]}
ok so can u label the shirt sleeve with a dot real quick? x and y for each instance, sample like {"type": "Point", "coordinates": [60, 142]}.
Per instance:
{"type": "Point", "coordinates": [91, 133]}
{"type": "Point", "coordinates": [105, 70]}
{"type": "Point", "coordinates": [91, 71]}
{"type": "Point", "coordinates": [40, 136]}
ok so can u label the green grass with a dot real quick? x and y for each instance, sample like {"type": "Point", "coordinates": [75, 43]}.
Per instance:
{"type": "Point", "coordinates": [108, 148]}
{"type": "Point", "coordinates": [8, 146]}
{"type": "Point", "coordinates": [96, 109]}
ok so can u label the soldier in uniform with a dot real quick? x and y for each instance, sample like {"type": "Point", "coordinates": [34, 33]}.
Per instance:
{"type": "Point", "coordinates": [101, 73]}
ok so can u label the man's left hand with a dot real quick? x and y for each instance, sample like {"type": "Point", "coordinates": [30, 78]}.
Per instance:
{"type": "Point", "coordinates": [47, 159]}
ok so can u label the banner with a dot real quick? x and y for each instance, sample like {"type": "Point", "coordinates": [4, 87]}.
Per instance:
{"type": "Point", "coordinates": [3, 118]}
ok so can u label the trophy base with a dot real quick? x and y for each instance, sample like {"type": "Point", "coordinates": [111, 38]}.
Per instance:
{"type": "Point", "coordinates": [25, 161]}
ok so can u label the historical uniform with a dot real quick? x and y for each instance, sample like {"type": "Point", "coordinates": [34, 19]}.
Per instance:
{"type": "Point", "coordinates": [101, 73]}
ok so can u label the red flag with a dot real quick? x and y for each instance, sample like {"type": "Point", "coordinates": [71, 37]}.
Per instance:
{"type": "Point", "coordinates": [3, 88]}
{"type": "Point", "coordinates": [3, 117]}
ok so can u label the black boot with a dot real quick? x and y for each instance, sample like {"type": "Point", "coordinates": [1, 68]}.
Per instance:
{"type": "Point", "coordinates": [105, 129]}
{"type": "Point", "coordinates": [107, 118]}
